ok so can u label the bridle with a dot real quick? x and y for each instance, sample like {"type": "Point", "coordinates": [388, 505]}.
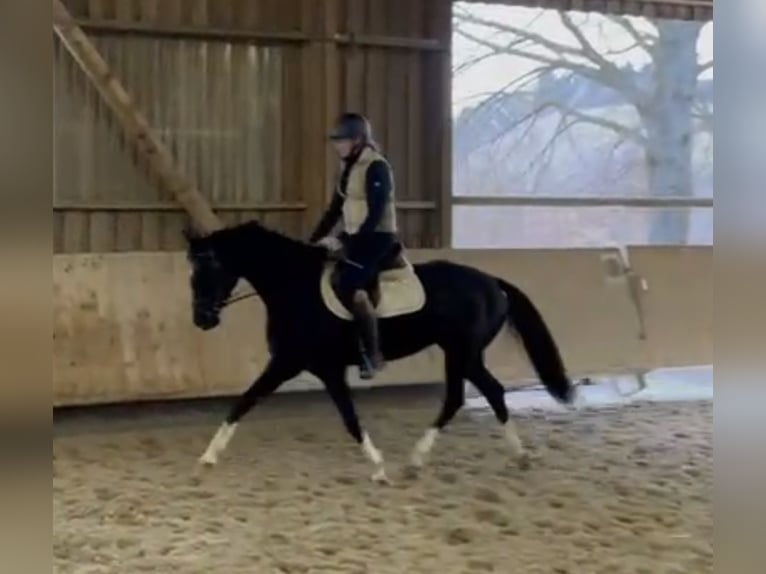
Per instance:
{"type": "Point", "coordinates": [219, 306]}
{"type": "Point", "coordinates": [212, 303]}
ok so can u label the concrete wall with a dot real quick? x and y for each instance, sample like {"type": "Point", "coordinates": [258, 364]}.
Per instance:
{"type": "Point", "coordinates": [123, 331]}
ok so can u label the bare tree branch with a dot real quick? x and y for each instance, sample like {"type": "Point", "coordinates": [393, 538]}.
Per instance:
{"type": "Point", "coordinates": [702, 68]}
{"type": "Point", "coordinates": [546, 154]}
{"type": "Point", "coordinates": [630, 133]}
{"type": "Point", "coordinates": [610, 69]}
{"type": "Point", "coordinates": [621, 51]}
{"type": "Point", "coordinates": [515, 86]}
{"type": "Point", "coordinates": [644, 39]}
{"type": "Point", "coordinates": [583, 70]}
{"type": "Point", "coordinates": [524, 34]}
{"type": "Point", "coordinates": [610, 76]}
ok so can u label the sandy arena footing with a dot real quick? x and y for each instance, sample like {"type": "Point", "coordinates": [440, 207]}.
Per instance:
{"type": "Point", "coordinates": [624, 489]}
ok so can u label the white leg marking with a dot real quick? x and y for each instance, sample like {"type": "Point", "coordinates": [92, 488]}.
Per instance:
{"type": "Point", "coordinates": [423, 447]}
{"type": "Point", "coordinates": [512, 436]}
{"type": "Point", "coordinates": [218, 444]}
{"type": "Point", "coordinates": [376, 458]}
{"type": "Point", "coordinates": [517, 448]}
{"type": "Point", "coordinates": [578, 402]}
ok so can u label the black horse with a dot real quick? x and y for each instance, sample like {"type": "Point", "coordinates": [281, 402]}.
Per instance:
{"type": "Point", "coordinates": [464, 311]}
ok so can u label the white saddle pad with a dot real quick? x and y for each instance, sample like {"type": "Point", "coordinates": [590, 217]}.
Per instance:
{"type": "Point", "coordinates": [401, 292]}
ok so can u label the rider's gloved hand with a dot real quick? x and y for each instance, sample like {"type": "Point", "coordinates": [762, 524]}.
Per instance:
{"type": "Point", "coordinates": [332, 244]}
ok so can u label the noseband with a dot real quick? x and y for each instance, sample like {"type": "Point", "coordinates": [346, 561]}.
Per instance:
{"type": "Point", "coordinates": [216, 304]}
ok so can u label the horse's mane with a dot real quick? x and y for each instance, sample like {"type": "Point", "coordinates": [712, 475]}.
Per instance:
{"type": "Point", "coordinates": [245, 240]}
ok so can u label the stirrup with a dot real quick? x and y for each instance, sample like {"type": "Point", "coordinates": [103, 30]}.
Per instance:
{"type": "Point", "coordinates": [366, 369]}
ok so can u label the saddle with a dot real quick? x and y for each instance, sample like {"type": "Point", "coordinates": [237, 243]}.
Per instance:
{"type": "Point", "coordinates": [395, 291]}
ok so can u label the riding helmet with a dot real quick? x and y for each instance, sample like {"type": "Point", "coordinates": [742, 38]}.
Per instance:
{"type": "Point", "coordinates": [351, 126]}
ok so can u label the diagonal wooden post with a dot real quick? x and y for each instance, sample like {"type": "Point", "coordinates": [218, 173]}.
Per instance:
{"type": "Point", "coordinates": [139, 132]}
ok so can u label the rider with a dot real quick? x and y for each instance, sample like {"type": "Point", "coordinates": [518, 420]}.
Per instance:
{"type": "Point", "coordinates": [364, 202]}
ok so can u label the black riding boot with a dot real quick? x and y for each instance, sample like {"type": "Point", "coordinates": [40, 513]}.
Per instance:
{"type": "Point", "coordinates": [367, 324]}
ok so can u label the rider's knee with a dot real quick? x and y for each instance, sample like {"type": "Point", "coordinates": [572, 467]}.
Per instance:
{"type": "Point", "coordinates": [360, 296]}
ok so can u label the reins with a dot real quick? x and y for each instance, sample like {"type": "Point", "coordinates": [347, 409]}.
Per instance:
{"type": "Point", "coordinates": [238, 298]}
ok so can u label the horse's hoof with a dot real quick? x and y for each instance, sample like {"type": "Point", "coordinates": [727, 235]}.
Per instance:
{"type": "Point", "coordinates": [380, 477]}
{"type": "Point", "coordinates": [207, 460]}
{"type": "Point", "coordinates": [417, 460]}
{"type": "Point", "coordinates": [411, 471]}
{"type": "Point", "coordinates": [524, 461]}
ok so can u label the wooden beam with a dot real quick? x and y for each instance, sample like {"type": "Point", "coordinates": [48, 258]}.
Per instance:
{"type": "Point", "coordinates": [157, 157]}
{"type": "Point", "coordinates": [701, 10]}
{"type": "Point", "coordinates": [157, 206]}
{"type": "Point", "coordinates": [552, 201]}
{"type": "Point", "coordinates": [113, 27]}
{"type": "Point", "coordinates": [561, 4]}
{"type": "Point", "coordinates": [189, 32]}
{"type": "Point", "coordinates": [375, 41]}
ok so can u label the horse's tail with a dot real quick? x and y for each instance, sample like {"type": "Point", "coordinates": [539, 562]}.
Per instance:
{"type": "Point", "coordinates": [543, 353]}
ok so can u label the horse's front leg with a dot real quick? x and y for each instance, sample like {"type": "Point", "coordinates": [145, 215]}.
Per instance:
{"type": "Point", "coordinates": [277, 371]}
{"type": "Point", "coordinates": [334, 380]}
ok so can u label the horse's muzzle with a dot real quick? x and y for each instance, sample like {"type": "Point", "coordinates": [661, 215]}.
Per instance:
{"type": "Point", "coordinates": [206, 319]}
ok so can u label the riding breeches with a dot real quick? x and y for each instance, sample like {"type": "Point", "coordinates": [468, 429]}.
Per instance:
{"type": "Point", "coordinates": [364, 256]}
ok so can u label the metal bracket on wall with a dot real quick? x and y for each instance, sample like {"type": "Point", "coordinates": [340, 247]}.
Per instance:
{"type": "Point", "coordinates": [619, 269]}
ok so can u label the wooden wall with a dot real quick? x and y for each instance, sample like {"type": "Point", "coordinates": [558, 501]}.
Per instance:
{"type": "Point", "coordinates": [244, 92]}
{"type": "Point", "coordinates": [123, 329]}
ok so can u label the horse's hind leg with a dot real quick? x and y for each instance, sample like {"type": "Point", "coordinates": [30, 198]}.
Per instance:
{"type": "Point", "coordinates": [275, 373]}
{"type": "Point", "coordinates": [494, 392]}
{"type": "Point", "coordinates": [453, 400]}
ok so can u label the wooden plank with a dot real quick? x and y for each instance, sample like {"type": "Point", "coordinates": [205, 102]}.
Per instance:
{"type": "Point", "coordinates": [124, 10]}
{"type": "Point", "coordinates": [128, 232]}
{"type": "Point", "coordinates": [291, 122]}
{"type": "Point", "coordinates": [173, 224]}
{"type": "Point", "coordinates": [179, 32]}
{"type": "Point", "coordinates": [149, 11]}
{"type": "Point", "coordinates": [687, 9]}
{"type": "Point", "coordinates": [355, 59]}
{"type": "Point", "coordinates": [75, 232]}
{"type": "Point", "coordinates": [240, 94]}
{"type": "Point", "coordinates": [140, 133]}
{"type": "Point", "coordinates": [121, 321]}
{"type": "Point", "coordinates": [678, 304]}
{"type": "Point", "coordinates": [332, 97]}
{"type": "Point", "coordinates": [170, 12]}
{"type": "Point", "coordinates": [313, 142]}
{"type": "Point", "coordinates": [251, 137]}
{"type": "Point", "coordinates": [380, 41]}
{"type": "Point", "coordinates": [157, 206]}
{"type": "Point", "coordinates": [397, 118]}
{"type": "Point", "coordinates": [151, 231]}
{"type": "Point", "coordinates": [102, 232]}
{"type": "Point", "coordinates": [375, 76]}
{"type": "Point", "coordinates": [415, 118]}
{"type": "Point", "coordinates": [605, 201]}
{"type": "Point", "coordinates": [443, 30]}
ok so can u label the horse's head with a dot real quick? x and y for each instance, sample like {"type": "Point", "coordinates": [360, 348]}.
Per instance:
{"type": "Point", "coordinates": [211, 283]}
